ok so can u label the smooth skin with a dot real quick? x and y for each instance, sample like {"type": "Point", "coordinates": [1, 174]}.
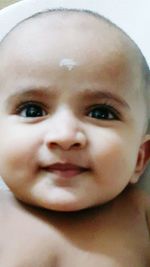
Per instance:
{"type": "Point", "coordinates": [91, 117]}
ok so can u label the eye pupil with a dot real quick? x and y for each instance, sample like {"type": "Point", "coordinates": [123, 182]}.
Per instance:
{"type": "Point", "coordinates": [99, 114]}
{"type": "Point", "coordinates": [34, 111]}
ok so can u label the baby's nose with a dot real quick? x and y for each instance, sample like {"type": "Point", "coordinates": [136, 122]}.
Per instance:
{"type": "Point", "coordinates": [65, 134]}
{"type": "Point", "coordinates": [66, 141]}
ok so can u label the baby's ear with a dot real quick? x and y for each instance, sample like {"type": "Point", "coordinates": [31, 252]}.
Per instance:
{"type": "Point", "coordinates": [142, 159]}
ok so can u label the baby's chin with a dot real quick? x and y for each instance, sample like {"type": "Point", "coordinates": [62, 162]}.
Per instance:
{"type": "Point", "coordinates": [63, 206]}
{"type": "Point", "coordinates": [58, 199]}
{"type": "Point", "coordinates": [60, 207]}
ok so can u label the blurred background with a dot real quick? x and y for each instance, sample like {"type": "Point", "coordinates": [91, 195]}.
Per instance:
{"type": "Point", "coordinates": [4, 3]}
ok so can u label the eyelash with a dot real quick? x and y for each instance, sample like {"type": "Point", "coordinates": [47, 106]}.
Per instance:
{"type": "Point", "coordinates": [102, 111]}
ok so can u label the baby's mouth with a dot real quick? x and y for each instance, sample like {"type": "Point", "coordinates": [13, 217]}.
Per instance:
{"type": "Point", "coordinates": [66, 170]}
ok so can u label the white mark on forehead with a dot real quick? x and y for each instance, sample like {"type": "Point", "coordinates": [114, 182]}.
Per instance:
{"type": "Point", "coordinates": [68, 63]}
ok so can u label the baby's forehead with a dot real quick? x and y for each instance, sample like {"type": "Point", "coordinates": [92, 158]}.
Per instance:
{"type": "Point", "coordinates": [69, 22]}
{"type": "Point", "coordinates": [67, 26]}
{"type": "Point", "coordinates": [73, 28]}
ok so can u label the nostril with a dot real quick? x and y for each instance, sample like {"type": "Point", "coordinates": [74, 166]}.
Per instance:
{"type": "Point", "coordinates": [65, 146]}
{"type": "Point", "coordinates": [77, 145]}
{"type": "Point", "coordinates": [53, 145]}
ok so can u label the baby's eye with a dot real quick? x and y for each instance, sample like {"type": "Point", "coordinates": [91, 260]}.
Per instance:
{"type": "Point", "coordinates": [103, 112]}
{"type": "Point", "coordinates": [31, 110]}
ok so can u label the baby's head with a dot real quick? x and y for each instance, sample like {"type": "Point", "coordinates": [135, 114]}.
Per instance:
{"type": "Point", "coordinates": [73, 110]}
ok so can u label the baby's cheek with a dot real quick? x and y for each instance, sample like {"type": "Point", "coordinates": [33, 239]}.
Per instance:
{"type": "Point", "coordinates": [18, 150]}
{"type": "Point", "coordinates": [113, 155]}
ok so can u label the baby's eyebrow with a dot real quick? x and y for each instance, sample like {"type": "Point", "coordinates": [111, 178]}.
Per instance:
{"type": "Point", "coordinates": [98, 94]}
{"type": "Point", "coordinates": [85, 94]}
{"type": "Point", "coordinates": [32, 92]}
{"type": "Point", "coordinates": [40, 93]}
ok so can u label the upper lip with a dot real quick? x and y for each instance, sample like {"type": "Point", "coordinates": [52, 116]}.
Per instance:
{"type": "Point", "coordinates": [65, 167]}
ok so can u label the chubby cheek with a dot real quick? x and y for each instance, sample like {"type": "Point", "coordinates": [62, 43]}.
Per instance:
{"type": "Point", "coordinates": [18, 149]}
{"type": "Point", "coordinates": [113, 157]}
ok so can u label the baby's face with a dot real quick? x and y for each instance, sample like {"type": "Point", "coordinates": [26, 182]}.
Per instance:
{"type": "Point", "coordinates": [70, 116]}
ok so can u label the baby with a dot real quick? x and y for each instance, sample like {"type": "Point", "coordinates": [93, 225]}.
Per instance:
{"type": "Point", "coordinates": [74, 116]}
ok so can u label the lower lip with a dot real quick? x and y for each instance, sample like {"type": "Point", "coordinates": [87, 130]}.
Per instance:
{"type": "Point", "coordinates": [67, 173]}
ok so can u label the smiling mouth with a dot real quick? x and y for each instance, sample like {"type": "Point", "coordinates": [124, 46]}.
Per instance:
{"type": "Point", "coordinates": [66, 170]}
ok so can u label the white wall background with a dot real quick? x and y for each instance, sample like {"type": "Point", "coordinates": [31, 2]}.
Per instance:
{"type": "Point", "coordinates": [133, 16]}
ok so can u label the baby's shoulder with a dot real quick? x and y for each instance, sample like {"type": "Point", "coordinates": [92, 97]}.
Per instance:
{"type": "Point", "coordinates": [4, 208]}
{"type": "Point", "coordinates": [143, 199]}
{"type": "Point", "coordinates": [134, 201]}
{"type": "Point", "coordinates": [140, 200]}
{"type": "Point", "coordinates": [5, 197]}
{"type": "Point", "coordinates": [7, 204]}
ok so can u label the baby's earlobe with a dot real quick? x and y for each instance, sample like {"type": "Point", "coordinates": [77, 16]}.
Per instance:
{"type": "Point", "coordinates": [143, 155]}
